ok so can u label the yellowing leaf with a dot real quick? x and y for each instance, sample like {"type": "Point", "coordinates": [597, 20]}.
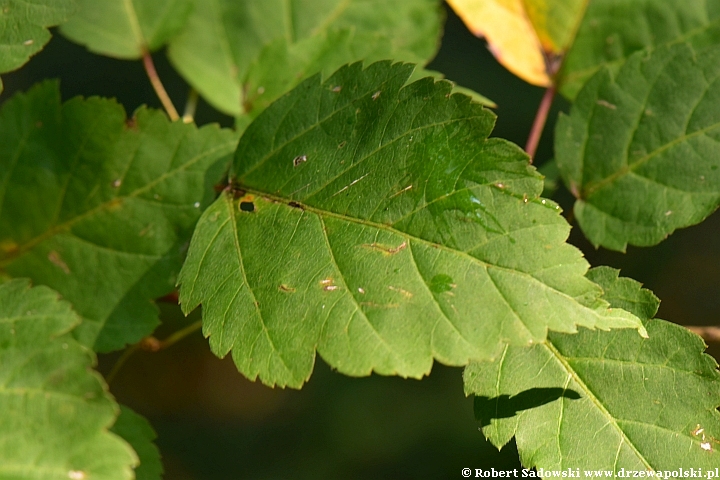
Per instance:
{"type": "Point", "coordinates": [526, 36]}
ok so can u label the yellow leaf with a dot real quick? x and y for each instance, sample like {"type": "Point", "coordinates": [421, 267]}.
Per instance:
{"type": "Point", "coordinates": [526, 36]}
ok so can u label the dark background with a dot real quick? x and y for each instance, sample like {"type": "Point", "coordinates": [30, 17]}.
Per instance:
{"type": "Point", "coordinates": [214, 424]}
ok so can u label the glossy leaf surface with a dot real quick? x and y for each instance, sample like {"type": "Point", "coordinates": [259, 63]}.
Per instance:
{"type": "Point", "coordinates": [24, 28]}
{"type": "Point", "coordinates": [99, 207]}
{"type": "Point", "coordinates": [612, 30]}
{"type": "Point", "coordinates": [126, 28]}
{"type": "Point", "coordinates": [54, 410]}
{"type": "Point", "coordinates": [377, 224]}
{"type": "Point", "coordinates": [242, 55]}
{"type": "Point", "coordinates": [526, 36]}
{"type": "Point", "coordinates": [640, 149]}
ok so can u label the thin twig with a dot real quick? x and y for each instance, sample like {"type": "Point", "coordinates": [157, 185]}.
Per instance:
{"type": "Point", "coordinates": [151, 344]}
{"type": "Point", "coordinates": [539, 122]}
{"type": "Point", "coordinates": [190, 106]}
{"type": "Point", "coordinates": [709, 334]}
{"type": "Point", "coordinates": [158, 86]}
{"type": "Point", "coordinates": [120, 362]}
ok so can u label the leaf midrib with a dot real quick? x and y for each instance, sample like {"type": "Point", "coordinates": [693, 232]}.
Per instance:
{"type": "Point", "coordinates": [413, 238]}
{"type": "Point", "coordinates": [590, 395]}
{"type": "Point", "coordinates": [625, 170]}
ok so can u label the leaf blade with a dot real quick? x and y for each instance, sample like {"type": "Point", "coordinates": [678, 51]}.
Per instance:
{"type": "Point", "coordinates": [55, 411]}
{"type": "Point", "coordinates": [330, 179]}
{"type": "Point", "coordinates": [569, 384]}
{"type": "Point", "coordinates": [105, 217]}
{"type": "Point", "coordinates": [612, 31]}
{"type": "Point", "coordinates": [136, 430]}
{"type": "Point", "coordinates": [241, 56]}
{"type": "Point", "coordinates": [24, 29]}
{"type": "Point", "coordinates": [126, 29]}
{"type": "Point", "coordinates": [641, 161]}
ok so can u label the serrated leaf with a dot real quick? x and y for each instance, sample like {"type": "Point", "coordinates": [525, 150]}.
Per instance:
{"type": "Point", "coordinates": [526, 36]}
{"type": "Point", "coordinates": [612, 30]}
{"type": "Point", "coordinates": [99, 207]}
{"type": "Point", "coordinates": [380, 226]}
{"type": "Point", "coordinates": [54, 410]}
{"type": "Point", "coordinates": [126, 28]}
{"type": "Point", "coordinates": [639, 149]}
{"type": "Point", "coordinates": [24, 28]}
{"type": "Point", "coordinates": [605, 401]}
{"type": "Point", "coordinates": [242, 55]}
{"type": "Point", "coordinates": [138, 432]}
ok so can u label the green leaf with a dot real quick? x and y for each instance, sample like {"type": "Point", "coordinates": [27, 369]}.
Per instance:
{"type": "Point", "coordinates": [24, 28]}
{"type": "Point", "coordinates": [242, 55]}
{"type": "Point", "coordinates": [639, 149]}
{"type": "Point", "coordinates": [377, 224]}
{"type": "Point", "coordinates": [605, 400]}
{"type": "Point", "coordinates": [126, 28]}
{"type": "Point", "coordinates": [54, 410]}
{"type": "Point", "coordinates": [100, 207]}
{"type": "Point", "coordinates": [612, 30]}
{"type": "Point", "coordinates": [136, 430]}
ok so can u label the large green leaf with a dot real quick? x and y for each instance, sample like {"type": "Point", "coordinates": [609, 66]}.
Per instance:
{"type": "Point", "coordinates": [136, 430]}
{"type": "Point", "coordinates": [377, 224]}
{"type": "Point", "coordinates": [640, 149]}
{"type": "Point", "coordinates": [99, 207]}
{"type": "Point", "coordinates": [242, 55]}
{"type": "Point", "coordinates": [54, 410]}
{"type": "Point", "coordinates": [126, 28]}
{"type": "Point", "coordinates": [605, 401]}
{"type": "Point", "coordinates": [612, 30]}
{"type": "Point", "coordinates": [24, 28]}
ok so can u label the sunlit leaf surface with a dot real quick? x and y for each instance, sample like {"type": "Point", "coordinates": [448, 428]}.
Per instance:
{"type": "Point", "coordinates": [605, 401]}
{"type": "Point", "coordinates": [377, 224]}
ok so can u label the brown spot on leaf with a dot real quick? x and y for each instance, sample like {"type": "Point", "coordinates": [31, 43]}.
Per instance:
{"type": "Point", "coordinates": [286, 288]}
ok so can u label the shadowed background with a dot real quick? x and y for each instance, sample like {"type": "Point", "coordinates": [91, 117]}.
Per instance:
{"type": "Point", "coordinates": [214, 424]}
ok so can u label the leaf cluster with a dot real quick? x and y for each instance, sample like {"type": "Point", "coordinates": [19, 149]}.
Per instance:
{"type": "Point", "coordinates": [360, 210]}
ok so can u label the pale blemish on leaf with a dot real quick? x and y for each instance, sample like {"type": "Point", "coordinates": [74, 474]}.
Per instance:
{"type": "Point", "coordinates": [400, 290]}
{"type": "Point", "coordinates": [606, 104]}
{"type": "Point", "coordinates": [384, 248]}
{"type": "Point", "coordinates": [300, 159]}
{"type": "Point", "coordinates": [55, 258]}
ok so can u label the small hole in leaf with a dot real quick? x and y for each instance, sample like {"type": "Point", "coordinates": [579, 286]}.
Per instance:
{"type": "Point", "coordinates": [247, 206]}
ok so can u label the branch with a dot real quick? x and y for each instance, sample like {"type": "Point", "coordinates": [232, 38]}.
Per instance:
{"type": "Point", "coordinates": [539, 122]}
{"type": "Point", "coordinates": [151, 344]}
{"type": "Point", "coordinates": [158, 86]}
